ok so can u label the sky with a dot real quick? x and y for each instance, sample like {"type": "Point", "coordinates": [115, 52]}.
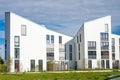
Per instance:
{"type": "Point", "coordinates": [64, 16]}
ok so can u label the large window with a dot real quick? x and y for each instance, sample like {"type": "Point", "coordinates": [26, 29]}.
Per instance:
{"type": "Point", "coordinates": [17, 41]}
{"type": "Point", "coordinates": [91, 54]}
{"type": "Point", "coordinates": [102, 63]}
{"type": "Point", "coordinates": [70, 52]}
{"type": "Point", "coordinates": [23, 30]}
{"type": "Point", "coordinates": [113, 41]}
{"type": "Point", "coordinates": [80, 37]}
{"type": "Point", "coordinates": [104, 45]}
{"type": "Point", "coordinates": [89, 63]}
{"type": "Point", "coordinates": [47, 38]}
{"type": "Point", "coordinates": [91, 45]}
{"type": "Point", "coordinates": [107, 64]}
{"type": "Point", "coordinates": [32, 65]}
{"type": "Point", "coordinates": [52, 38]}
{"type": "Point", "coordinates": [104, 54]}
{"type": "Point", "coordinates": [16, 65]}
{"type": "Point", "coordinates": [50, 56]}
{"type": "Point", "coordinates": [60, 39]}
{"type": "Point", "coordinates": [40, 65]}
{"type": "Point", "coordinates": [17, 52]}
{"type": "Point", "coordinates": [79, 51]}
{"type": "Point", "coordinates": [104, 36]}
{"type": "Point", "coordinates": [77, 39]}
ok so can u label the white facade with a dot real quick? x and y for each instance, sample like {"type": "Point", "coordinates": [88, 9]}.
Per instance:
{"type": "Point", "coordinates": [27, 46]}
{"type": "Point", "coordinates": [93, 45]}
{"type": "Point", "coordinates": [30, 46]}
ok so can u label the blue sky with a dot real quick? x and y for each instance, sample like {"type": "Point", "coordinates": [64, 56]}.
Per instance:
{"type": "Point", "coordinates": [64, 16]}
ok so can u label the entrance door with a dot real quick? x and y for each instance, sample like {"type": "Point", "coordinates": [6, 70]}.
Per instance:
{"type": "Point", "coordinates": [89, 63]}
{"type": "Point", "coordinates": [40, 65]}
{"type": "Point", "coordinates": [17, 65]}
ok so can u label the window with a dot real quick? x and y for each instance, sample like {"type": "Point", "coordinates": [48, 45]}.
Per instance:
{"type": "Point", "coordinates": [17, 41]}
{"type": "Point", "coordinates": [113, 48]}
{"type": "Point", "coordinates": [102, 63]}
{"type": "Point", "coordinates": [47, 38]}
{"type": "Point", "coordinates": [79, 51]}
{"type": "Point", "coordinates": [91, 45]}
{"type": "Point", "coordinates": [70, 52]}
{"type": "Point", "coordinates": [16, 65]}
{"type": "Point", "coordinates": [113, 56]}
{"type": "Point", "coordinates": [40, 65]}
{"type": "Point", "coordinates": [17, 52]}
{"type": "Point", "coordinates": [32, 65]}
{"type": "Point", "coordinates": [52, 39]}
{"type": "Point", "coordinates": [78, 47]}
{"type": "Point", "coordinates": [104, 36]}
{"type": "Point", "coordinates": [77, 39]}
{"type": "Point", "coordinates": [80, 37]}
{"type": "Point", "coordinates": [79, 56]}
{"type": "Point", "coordinates": [60, 39]}
{"type": "Point", "coordinates": [23, 30]}
{"type": "Point", "coordinates": [50, 56]}
{"type": "Point", "coordinates": [104, 45]}
{"type": "Point", "coordinates": [107, 64]}
{"type": "Point", "coordinates": [104, 54]}
{"type": "Point", "coordinates": [89, 63]}
{"type": "Point", "coordinates": [113, 41]}
{"type": "Point", "coordinates": [106, 27]}
{"type": "Point", "coordinates": [91, 54]}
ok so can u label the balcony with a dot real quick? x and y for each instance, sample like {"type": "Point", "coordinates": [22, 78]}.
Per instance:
{"type": "Point", "coordinates": [105, 57]}
{"type": "Point", "coordinates": [91, 56]}
{"type": "Point", "coordinates": [91, 48]}
{"type": "Point", "coordinates": [105, 48]}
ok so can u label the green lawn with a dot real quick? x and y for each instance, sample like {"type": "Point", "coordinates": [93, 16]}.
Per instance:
{"type": "Point", "coordinates": [58, 76]}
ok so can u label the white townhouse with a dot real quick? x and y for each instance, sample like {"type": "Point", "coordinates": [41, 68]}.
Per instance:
{"type": "Point", "coordinates": [94, 46]}
{"type": "Point", "coordinates": [32, 47]}
{"type": "Point", "coordinates": [29, 46]}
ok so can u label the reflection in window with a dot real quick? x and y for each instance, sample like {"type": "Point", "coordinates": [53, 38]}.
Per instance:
{"type": "Point", "coordinates": [17, 41]}
{"type": "Point", "coordinates": [60, 39]}
{"type": "Point", "coordinates": [17, 52]}
{"type": "Point", "coordinates": [47, 38]}
{"type": "Point", "coordinates": [52, 39]}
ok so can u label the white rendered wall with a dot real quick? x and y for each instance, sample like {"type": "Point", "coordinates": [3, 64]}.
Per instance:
{"type": "Point", "coordinates": [30, 45]}
{"type": "Point", "coordinates": [33, 45]}
{"type": "Point", "coordinates": [92, 33]}
{"type": "Point", "coordinates": [82, 55]}
{"type": "Point", "coordinates": [117, 49]}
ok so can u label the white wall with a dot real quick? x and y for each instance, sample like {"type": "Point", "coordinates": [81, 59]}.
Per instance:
{"type": "Point", "coordinates": [30, 45]}
{"type": "Point", "coordinates": [33, 45]}
{"type": "Point", "coordinates": [92, 33]}
{"type": "Point", "coordinates": [117, 49]}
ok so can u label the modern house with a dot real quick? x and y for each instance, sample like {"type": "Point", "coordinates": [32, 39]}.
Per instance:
{"type": "Point", "coordinates": [94, 46]}
{"type": "Point", "coordinates": [29, 46]}
{"type": "Point", "coordinates": [32, 47]}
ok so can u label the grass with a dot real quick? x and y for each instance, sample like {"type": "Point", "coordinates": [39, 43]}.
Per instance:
{"type": "Point", "coordinates": [58, 76]}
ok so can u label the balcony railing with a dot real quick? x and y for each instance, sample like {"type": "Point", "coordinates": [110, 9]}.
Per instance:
{"type": "Point", "coordinates": [104, 39]}
{"type": "Point", "coordinates": [105, 57]}
{"type": "Point", "coordinates": [91, 57]}
{"type": "Point", "coordinates": [92, 48]}
{"type": "Point", "coordinates": [105, 48]}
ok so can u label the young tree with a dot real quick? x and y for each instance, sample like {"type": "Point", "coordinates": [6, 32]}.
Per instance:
{"type": "Point", "coordinates": [2, 66]}
{"type": "Point", "coordinates": [8, 64]}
